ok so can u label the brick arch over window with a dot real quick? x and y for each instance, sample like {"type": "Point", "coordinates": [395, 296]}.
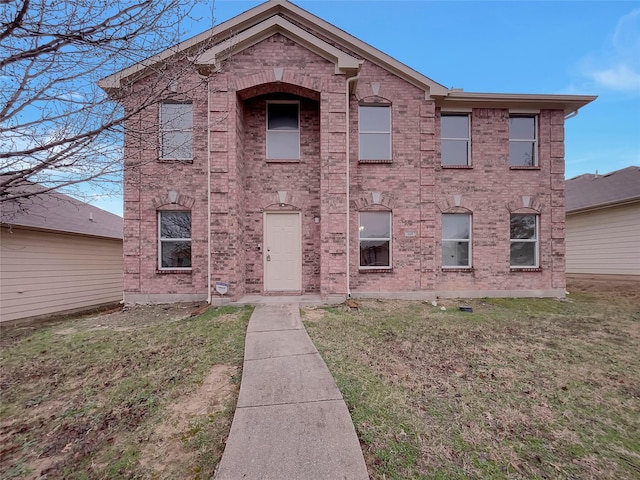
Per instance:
{"type": "Point", "coordinates": [526, 204]}
{"type": "Point", "coordinates": [278, 80]}
{"type": "Point", "coordinates": [456, 204]}
{"type": "Point", "coordinates": [173, 197]}
{"type": "Point", "coordinates": [371, 201]}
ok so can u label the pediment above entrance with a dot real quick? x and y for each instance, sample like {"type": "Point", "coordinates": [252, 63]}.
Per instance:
{"type": "Point", "coordinates": [344, 63]}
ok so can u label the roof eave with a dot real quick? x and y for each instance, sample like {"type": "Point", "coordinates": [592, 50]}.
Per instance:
{"type": "Point", "coordinates": [600, 206]}
{"type": "Point", "coordinates": [522, 101]}
{"type": "Point", "coordinates": [251, 17]}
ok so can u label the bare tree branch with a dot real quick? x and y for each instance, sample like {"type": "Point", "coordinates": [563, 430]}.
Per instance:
{"type": "Point", "coordinates": [57, 127]}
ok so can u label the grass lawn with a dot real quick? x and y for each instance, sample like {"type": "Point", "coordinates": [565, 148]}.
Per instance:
{"type": "Point", "coordinates": [148, 392]}
{"type": "Point", "coordinates": [527, 388]}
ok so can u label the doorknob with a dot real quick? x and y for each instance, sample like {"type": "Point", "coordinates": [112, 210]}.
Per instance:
{"type": "Point", "coordinates": [268, 258]}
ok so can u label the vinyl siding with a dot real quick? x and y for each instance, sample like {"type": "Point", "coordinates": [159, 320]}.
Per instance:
{"type": "Point", "coordinates": [44, 273]}
{"type": "Point", "coordinates": [605, 241]}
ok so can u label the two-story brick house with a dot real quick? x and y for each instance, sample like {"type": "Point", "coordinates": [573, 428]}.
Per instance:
{"type": "Point", "coordinates": [293, 158]}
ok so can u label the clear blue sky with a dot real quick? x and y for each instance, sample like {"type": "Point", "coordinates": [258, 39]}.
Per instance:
{"type": "Point", "coordinates": [570, 47]}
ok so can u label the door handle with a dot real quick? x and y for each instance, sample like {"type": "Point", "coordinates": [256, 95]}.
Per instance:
{"type": "Point", "coordinates": [268, 258]}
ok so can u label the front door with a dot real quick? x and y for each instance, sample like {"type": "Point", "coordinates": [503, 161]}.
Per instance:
{"type": "Point", "coordinates": [282, 252]}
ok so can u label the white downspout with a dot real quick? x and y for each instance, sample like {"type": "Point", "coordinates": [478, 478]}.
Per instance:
{"type": "Point", "coordinates": [209, 190]}
{"type": "Point", "coordinates": [348, 240]}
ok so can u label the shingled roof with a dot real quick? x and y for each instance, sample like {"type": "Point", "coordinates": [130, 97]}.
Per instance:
{"type": "Point", "coordinates": [593, 191]}
{"type": "Point", "coordinates": [57, 212]}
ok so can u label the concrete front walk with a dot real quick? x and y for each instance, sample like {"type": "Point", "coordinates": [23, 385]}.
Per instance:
{"type": "Point", "coordinates": [291, 421]}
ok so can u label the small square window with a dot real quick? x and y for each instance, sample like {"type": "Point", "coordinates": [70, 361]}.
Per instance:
{"type": "Point", "coordinates": [456, 240]}
{"type": "Point", "coordinates": [283, 130]}
{"type": "Point", "coordinates": [176, 131]}
{"type": "Point", "coordinates": [523, 141]}
{"type": "Point", "coordinates": [174, 236]}
{"type": "Point", "coordinates": [455, 139]}
{"type": "Point", "coordinates": [375, 240]}
{"type": "Point", "coordinates": [524, 241]}
{"type": "Point", "coordinates": [374, 123]}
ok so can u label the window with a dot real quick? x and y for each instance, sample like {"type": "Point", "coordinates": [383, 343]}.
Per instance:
{"type": "Point", "coordinates": [174, 231]}
{"type": "Point", "coordinates": [456, 240]}
{"type": "Point", "coordinates": [283, 130]}
{"type": "Point", "coordinates": [375, 132]}
{"type": "Point", "coordinates": [523, 142]}
{"type": "Point", "coordinates": [176, 131]}
{"type": "Point", "coordinates": [375, 240]}
{"type": "Point", "coordinates": [524, 241]}
{"type": "Point", "coordinates": [455, 139]}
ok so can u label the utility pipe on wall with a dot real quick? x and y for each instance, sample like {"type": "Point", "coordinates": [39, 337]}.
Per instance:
{"type": "Point", "coordinates": [348, 239]}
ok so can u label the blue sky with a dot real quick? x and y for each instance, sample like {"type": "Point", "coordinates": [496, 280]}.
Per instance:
{"type": "Point", "coordinates": [570, 47]}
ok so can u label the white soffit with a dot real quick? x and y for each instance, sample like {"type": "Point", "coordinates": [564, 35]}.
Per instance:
{"type": "Point", "coordinates": [265, 29]}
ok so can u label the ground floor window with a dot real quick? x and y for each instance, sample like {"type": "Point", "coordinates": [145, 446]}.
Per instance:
{"type": "Point", "coordinates": [456, 240]}
{"type": "Point", "coordinates": [174, 233]}
{"type": "Point", "coordinates": [524, 240]}
{"type": "Point", "coordinates": [375, 240]}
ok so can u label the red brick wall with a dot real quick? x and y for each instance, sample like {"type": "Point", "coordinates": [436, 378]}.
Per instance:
{"type": "Point", "coordinates": [414, 186]}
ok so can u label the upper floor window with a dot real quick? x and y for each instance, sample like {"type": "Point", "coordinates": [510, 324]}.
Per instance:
{"type": "Point", "coordinates": [176, 131]}
{"type": "Point", "coordinates": [455, 139]}
{"type": "Point", "coordinates": [283, 130]}
{"type": "Point", "coordinates": [375, 240]}
{"type": "Point", "coordinates": [456, 240]}
{"type": "Point", "coordinates": [523, 141]}
{"type": "Point", "coordinates": [174, 237]}
{"type": "Point", "coordinates": [374, 122]}
{"type": "Point", "coordinates": [524, 240]}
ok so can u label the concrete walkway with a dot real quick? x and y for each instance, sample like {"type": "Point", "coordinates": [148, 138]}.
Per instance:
{"type": "Point", "coordinates": [291, 421]}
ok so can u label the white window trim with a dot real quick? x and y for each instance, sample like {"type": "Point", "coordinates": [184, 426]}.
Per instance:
{"type": "Point", "coordinates": [536, 250]}
{"type": "Point", "coordinates": [467, 139]}
{"type": "Point", "coordinates": [266, 126]}
{"type": "Point", "coordinates": [162, 131]}
{"type": "Point", "coordinates": [528, 140]}
{"type": "Point", "coordinates": [467, 240]}
{"type": "Point", "coordinates": [163, 239]}
{"type": "Point", "coordinates": [389, 239]}
{"type": "Point", "coordinates": [367, 132]}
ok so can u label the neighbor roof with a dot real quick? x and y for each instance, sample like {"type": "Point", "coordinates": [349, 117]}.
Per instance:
{"type": "Point", "coordinates": [589, 191]}
{"type": "Point", "coordinates": [57, 212]}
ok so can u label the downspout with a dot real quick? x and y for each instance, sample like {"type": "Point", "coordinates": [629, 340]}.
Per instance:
{"type": "Point", "coordinates": [571, 114]}
{"type": "Point", "coordinates": [348, 240]}
{"type": "Point", "coordinates": [209, 189]}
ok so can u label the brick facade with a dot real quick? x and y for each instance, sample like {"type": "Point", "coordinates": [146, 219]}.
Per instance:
{"type": "Point", "coordinates": [230, 185]}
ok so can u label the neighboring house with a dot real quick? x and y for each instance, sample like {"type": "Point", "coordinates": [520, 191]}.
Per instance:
{"type": "Point", "coordinates": [297, 159]}
{"type": "Point", "coordinates": [603, 225]}
{"type": "Point", "coordinates": [57, 255]}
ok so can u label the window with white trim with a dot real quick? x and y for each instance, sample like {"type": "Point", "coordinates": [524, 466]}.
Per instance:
{"type": "Point", "coordinates": [374, 124]}
{"type": "Point", "coordinates": [176, 131]}
{"type": "Point", "coordinates": [174, 238]}
{"type": "Point", "coordinates": [523, 141]}
{"type": "Point", "coordinates": [456, 240]}
{"type": "Point", "coordinates": [375, 240]}
{"type": "Point", "coordinates": [455, 139]}
{"type": "Point", "coordinates": [283, 130]}
{"type": "Point", "coordinates": [524, 240]}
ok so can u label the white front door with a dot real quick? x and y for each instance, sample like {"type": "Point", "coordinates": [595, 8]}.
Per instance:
{"type": "Point", "coordinates": [282, 252]}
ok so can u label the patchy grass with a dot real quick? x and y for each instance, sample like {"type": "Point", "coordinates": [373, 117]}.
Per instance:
{"type": "Point", "coordinates": [520, 388]}
{"type": "Point", "coordinates": [147, 392]}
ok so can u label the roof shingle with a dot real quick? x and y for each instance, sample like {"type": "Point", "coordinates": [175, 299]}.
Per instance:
{"type": "Point", "coordinates": [593, 190]}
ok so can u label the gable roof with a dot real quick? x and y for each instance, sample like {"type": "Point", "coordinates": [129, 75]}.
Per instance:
{"type": "Point", "coordinates": [57, 212]}
{"type": "Point", "coordinates": [318, 35]}
{"type": "Point", "coordinates": [590, 191]}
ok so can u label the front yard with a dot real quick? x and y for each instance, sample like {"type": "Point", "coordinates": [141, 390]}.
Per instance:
{"type": "Point", "coordinates": [147, 392]}
{"type": "Point", "coordinates": [528, 388]}
{"type": "Point", "coordinates": [517, 389]}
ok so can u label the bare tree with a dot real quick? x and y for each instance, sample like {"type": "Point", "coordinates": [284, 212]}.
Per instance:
{"type": "Point", "coordinates": [57, 127]}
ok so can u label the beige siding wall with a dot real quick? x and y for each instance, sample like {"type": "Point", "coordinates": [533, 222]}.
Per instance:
{"type": "Point", "coordinates": [604, 241]}
{"type": "Point", "coordinates": [43, 273]}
